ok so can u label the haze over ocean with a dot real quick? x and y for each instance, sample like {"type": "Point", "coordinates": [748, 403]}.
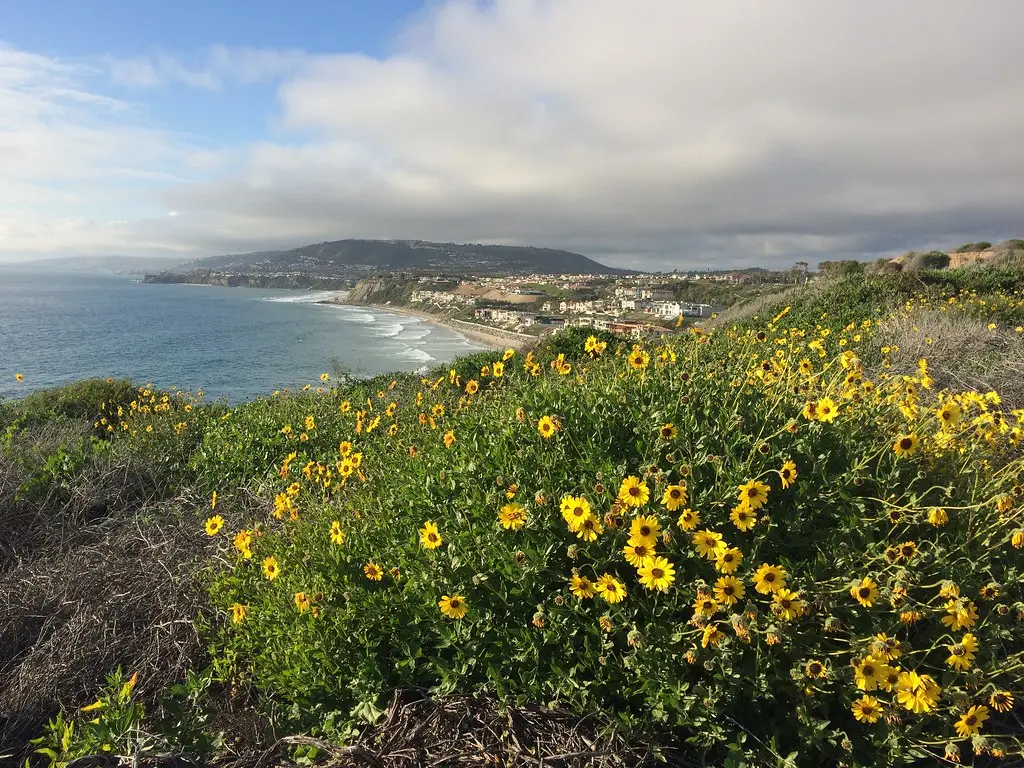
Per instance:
{"type": "Point", "coordinates": [58, 327]}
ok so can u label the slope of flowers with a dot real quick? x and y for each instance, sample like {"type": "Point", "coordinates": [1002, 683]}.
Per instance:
{"type": "Point", "coordinates": [742, 534]}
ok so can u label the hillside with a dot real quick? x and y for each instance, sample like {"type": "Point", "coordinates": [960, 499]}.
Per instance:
{"type": "Point", "coordinates": [1008, 253]}
{"type": "Point", "coordinates": [354, 258]}
{"type": "Point", "coordinates": [791, 539]}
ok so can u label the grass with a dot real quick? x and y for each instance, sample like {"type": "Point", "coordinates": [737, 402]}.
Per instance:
{"type": "Point", "coordinates": [806, 433]}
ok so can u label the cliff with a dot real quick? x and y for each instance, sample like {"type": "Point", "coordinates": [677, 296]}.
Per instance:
{"type": "Point", "coordinates": [382, 291]}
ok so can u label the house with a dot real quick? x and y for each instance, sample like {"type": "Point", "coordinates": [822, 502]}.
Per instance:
{"type": "Point", "coordinates": [635, 330]}
{"type": "Point", "coordinates": [552, 321]}
{"type": "Point", "coordinates": [666, 308]}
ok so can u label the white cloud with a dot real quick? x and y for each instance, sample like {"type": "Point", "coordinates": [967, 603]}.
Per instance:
{"type": "Point", "coordinates": [72, 160]}
{"type": "Point", "coordinates": [663, 132]}
{"type": "Point", "coordinates": [664, 128]}
{"type": "Point", "coordinates": [136, 72]}
{"type": "Point", "coordinates": [212, 68]}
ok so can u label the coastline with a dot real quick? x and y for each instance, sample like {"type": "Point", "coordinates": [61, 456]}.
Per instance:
{"type": "Point", "coordinates": [482, 336]}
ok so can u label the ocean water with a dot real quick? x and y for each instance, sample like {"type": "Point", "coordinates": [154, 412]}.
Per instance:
{"type": "Point", "coordinates": [239, 343]}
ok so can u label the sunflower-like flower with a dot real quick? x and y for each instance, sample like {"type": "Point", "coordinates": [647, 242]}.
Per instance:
{"type": "Point", "coordinates": [729, 590]}
{"type": "Point", "coordinates": [638, 552]}
{"type": "Point", "coordinates": [639, 358]}
{"type": "Point", "coordinates": [865, 592]}
{"type": "Point", "coordinates": [271, 568]}
{"type": "Point", "coordinates": [590, 528]}
{"type": "Point", "coordinates": [906, 445]}
{"type": "Point", "coordinates": [918, 693]}
{"type": "Point", "coordinates": [575, 509]}
{"type": "Point", "coordinates": [743, 517]}
{"type": "Point", "coordinates": [961, 654]}
{"type": "Point", "coordinates": [512, 516]}
{"type": "Point", "coordinates": [610, 589]}
{"type": "Point", "coordinates": [581, 587]}
{"type": "Point", "coordinates": [453, 606]}
{"type": "Point", "coordinates": [866, 709]}
{"type": "Point", "coordinates": [430, 536]}
{"type": "Point", "coordinates": [971, 721]}
{"type": "Point", "coordinates": [787, 604]}
{"type": "Point", "coordinates": [709, 544]}
{"type": "Point", "coordinates": [634, 492]}
{"type": "Point", "coordinates": [788, 474]}
{"type": "Point", "coordinates": [728, 560]}
{"type": "Point", "coordinates": [337, 534]}
{"type": "Point", "coordinates": [547, 427]}
{"type": "Point", "coordinates": [657, 574]}
{"type": "Point", "coordinates": [674, 497]}
{"type": "Point", "coordinates": [769, 579]}
{"type": "Point", "coordinates": [646, 529]}
{"type": "Point", "coordinates": [688, 519]}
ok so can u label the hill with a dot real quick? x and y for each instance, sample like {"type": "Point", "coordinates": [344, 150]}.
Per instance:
{"type": "Point", "coordinates": [356, 258]}
{"type": "Point", "coordinates": [793, 539]}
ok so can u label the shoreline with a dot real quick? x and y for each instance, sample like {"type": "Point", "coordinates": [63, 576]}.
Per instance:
{"type": "Point", "coordinates": [484, 336]}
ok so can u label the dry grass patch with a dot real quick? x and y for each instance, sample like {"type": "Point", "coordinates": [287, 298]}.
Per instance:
{"type": "Point", "coordinates": [963, 353]}
{"type": "Point", "coordinates": [118, 591]}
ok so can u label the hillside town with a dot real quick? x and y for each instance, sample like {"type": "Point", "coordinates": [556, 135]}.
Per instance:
{"type": "Point", "coordinates": [633, 305]}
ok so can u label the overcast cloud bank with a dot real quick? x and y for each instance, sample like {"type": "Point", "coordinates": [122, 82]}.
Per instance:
{"type": "Point", "coordinates": [657, 133]}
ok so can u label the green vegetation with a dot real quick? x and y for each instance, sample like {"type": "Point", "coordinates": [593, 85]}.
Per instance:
{"type": "Point", "coordinates": [781, 539]}
{"type": "Point", "coordinates": [973, 247]}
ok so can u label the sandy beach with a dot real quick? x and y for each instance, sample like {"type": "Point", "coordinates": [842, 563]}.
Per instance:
{"type": "Point", "coordinates": [478, 333]}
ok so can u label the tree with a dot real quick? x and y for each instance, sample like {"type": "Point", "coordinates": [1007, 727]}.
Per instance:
{"type": "Point", "coordinates": [930, 260]}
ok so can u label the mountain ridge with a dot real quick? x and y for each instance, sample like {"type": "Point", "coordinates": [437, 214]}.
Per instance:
{"type": "Point", "coordinates": [359, 257]}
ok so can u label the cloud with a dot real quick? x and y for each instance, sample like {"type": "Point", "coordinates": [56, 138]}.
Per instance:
{"type": "Point", "coordinates": [73, 161]}
{"type": "Point", "coordinates": [659, 133]}
{"type": "Point", "coordinates": [660, 130]}
{"type": "Point", "coordinates": [212, 68]}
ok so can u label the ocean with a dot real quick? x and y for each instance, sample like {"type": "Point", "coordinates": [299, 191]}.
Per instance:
{"type": "Point", "coordinates": [236, 343]}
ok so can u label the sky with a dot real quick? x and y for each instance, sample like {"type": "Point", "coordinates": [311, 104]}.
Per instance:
{"type": "Point", "coordinates": [658, 134]}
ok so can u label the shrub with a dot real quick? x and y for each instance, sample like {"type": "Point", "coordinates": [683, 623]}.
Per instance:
{"type": "Point", "coordinates": [931, 260]}
{"type": "Point", "coordinates": [973, 247]}
{"type": "Point", "coordinates": [877, 499]}
{"type": "Point", "coordinates": [80, 400]}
